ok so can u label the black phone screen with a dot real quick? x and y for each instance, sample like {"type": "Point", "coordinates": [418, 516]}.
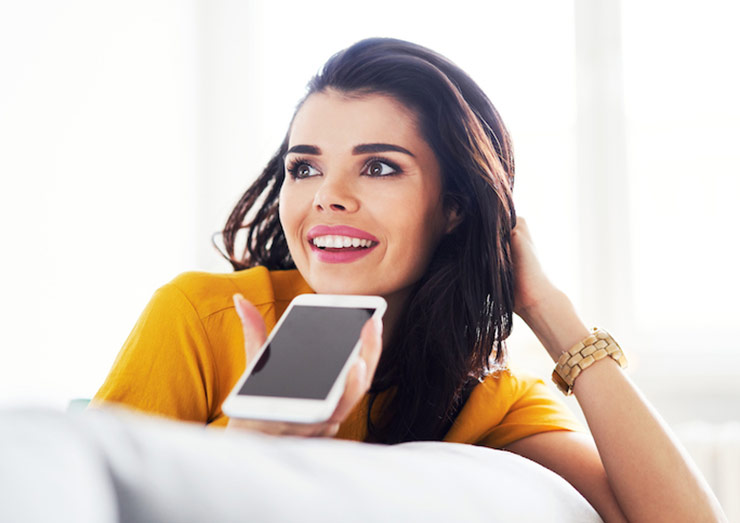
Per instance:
{"type": "Point", "coordinates": [307, 353]}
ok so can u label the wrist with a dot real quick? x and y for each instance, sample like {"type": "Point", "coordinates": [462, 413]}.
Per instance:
{"type": "Point", "coordinates": [556, 323]}
{"type": "Point", "coordinates": [597, 346]}
{"type": "Point", "coordinates": [547, 300]}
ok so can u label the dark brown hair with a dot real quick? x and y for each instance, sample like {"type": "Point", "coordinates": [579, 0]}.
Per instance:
{"type": "Point", "coordinates": [452, 331]}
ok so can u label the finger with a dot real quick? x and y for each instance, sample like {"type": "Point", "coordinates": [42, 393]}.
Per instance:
{"type": "Point", "coordinates": [313, 430]}
{"type": "Point", "coordinates": [329, 430]}
{"type": "Point", "coordinates": [372, 345]}
{"type": "Point", "coordinates": [522, 228]}
{"type": "Point", "coordinates": [308, 430]}
{"type": "Point", "coordinates": [274, 428]}
{"type": "Point", "coordinates": [303, 430]}
{"type": "Point", "coordinates": [253, 326]}
{"type": "Point", "coordinates": [278, 428]}
{"type": "Point", "coordinates": [355, 387]}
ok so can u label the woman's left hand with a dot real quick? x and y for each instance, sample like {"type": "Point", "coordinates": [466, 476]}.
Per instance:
{"type": "Point", "coordinates": [532, 287]}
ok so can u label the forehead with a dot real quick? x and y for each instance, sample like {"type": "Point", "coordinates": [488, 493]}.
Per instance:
{"type": "Point", "coordinates": [331, 117]}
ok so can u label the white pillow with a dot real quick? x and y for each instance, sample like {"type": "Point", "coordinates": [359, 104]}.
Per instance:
{"type": "Point", "coordinates": [108, 464]}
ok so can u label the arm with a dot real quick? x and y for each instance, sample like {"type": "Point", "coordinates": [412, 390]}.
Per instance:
{"type": "Point", "coordinates": [635, 467]}
{"type": "Point", "coordinates": [165, 366]}
{"type": "Point", "coordinates": [574, 457]}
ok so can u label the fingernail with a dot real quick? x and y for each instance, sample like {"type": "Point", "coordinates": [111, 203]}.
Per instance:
{"type": "Point", "coordinates": [362, 369]}
{"type": "Point", "coordinates": [236, 297]}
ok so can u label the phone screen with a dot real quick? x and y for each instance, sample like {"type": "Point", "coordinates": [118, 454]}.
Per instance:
{"type": "Point", "coordinates": [307, 353]}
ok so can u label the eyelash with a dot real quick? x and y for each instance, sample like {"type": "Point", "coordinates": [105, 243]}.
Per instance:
{"type": "Point", "coordinates": [293, 165]}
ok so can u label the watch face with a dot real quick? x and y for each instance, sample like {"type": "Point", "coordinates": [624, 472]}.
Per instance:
{"type": "Point", "coordinates": [560, 382]}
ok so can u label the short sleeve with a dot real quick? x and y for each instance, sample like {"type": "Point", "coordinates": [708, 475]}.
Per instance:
{"type": "Point", "coordinates": [534, 409]}
{"type": "Point", "coordinates": [165, 366]}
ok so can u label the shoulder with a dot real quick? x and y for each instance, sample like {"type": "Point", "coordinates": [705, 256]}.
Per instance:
{"type": "Point", "coordinates": [490, 401]}
{"type": "Point", "coordinates": [508, 405]}
{"type": "Point", "coordinates": [520, 391]}
{"type": "Point", "coordinates": [210, 293]}
{"type": "Point", "coordinates": [507, 385]}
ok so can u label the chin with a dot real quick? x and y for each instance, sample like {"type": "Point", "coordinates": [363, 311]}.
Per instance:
{"type": "Point", "coordinates": [331, 284]}
{"type": "Point", "coordinates": [339, 288]}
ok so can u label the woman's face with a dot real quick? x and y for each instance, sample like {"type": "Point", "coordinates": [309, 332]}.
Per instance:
{"type": "Point", "coordinates": [361, 204]}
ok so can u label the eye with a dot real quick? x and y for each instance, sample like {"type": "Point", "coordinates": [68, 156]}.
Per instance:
{"type": "Point", "coordinates": [299, 168]}
{"type": "Point", "coordinates": [378, 167]}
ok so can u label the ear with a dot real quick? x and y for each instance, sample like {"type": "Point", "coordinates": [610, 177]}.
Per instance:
{"type": "Point", "coordinates": [453, 215]}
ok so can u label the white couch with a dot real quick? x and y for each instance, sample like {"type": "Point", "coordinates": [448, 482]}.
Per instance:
{"type": "Point", "coordinates": [111, 465]}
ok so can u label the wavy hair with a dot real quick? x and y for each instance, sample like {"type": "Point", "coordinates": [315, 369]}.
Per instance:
{"type": "Point", "coordinates": [452, 332]}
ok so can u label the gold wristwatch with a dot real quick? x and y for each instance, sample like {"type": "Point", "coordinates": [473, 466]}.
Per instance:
{"type": "Point", "coordinates": [598, 345]}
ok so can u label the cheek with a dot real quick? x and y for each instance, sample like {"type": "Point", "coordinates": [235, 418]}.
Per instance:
{"type": "Point", "coordinates": [290, 215]}
{"type": "Point", "coordinates": [419, 231]}
{"type": "Point", "coordinates": [291, 203]}
{"type": "Point", "coordinates": [283, 209]}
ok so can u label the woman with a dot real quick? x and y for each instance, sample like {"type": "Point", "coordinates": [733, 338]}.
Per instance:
{"type": "Point", "coordinates": [395, 145]}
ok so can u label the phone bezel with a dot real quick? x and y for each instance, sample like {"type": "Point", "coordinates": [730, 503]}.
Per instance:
{"type": "Point", "coordinates": [300, 410]}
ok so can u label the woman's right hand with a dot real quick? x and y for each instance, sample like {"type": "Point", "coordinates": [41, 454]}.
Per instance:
{"type": "Point", "coordinates": [359, 378]}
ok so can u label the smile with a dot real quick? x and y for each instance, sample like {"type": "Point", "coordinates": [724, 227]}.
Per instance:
{"type": "Point", "coordinates": [340, 243]}
{"type": "Point", "coordinates": [341, 254]}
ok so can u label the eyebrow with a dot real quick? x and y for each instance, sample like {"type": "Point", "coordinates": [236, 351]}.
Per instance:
{"type": "Point", "coordinates": [358, 149]}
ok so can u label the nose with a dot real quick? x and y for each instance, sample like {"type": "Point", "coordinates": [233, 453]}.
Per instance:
{"type": "Point", "coordinates": [335, 195]}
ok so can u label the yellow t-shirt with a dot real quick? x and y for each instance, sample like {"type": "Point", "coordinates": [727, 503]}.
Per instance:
{"type": "Point", "coordinates": [186, 352]}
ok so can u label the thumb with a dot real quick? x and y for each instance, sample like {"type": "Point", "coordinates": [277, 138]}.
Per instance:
{"type": "Point", "coordinates": [253, 326]}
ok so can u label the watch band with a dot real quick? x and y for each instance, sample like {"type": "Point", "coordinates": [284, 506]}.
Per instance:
{"type": "Point", "coordinates": [598, 345]}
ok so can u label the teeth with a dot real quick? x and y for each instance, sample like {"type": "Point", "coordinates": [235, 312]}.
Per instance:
{"type": "Point", "coordinates": [340, 242]}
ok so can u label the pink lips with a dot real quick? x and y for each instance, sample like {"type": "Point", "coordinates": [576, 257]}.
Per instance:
{"type": "Point", "coordinates": [346, 255]}
{"type": "Point", "coordinates": [339, 230]}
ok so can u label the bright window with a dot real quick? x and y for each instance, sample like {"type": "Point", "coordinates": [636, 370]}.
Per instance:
{"type": "Point", "coordinates": [683, 128]}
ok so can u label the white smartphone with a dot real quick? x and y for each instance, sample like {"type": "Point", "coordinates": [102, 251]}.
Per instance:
{"type": "Point", "coordinates": [299, 373]}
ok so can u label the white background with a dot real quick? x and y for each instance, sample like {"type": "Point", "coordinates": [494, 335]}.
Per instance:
{"type": "Point", "coordinates": [128, 130]}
